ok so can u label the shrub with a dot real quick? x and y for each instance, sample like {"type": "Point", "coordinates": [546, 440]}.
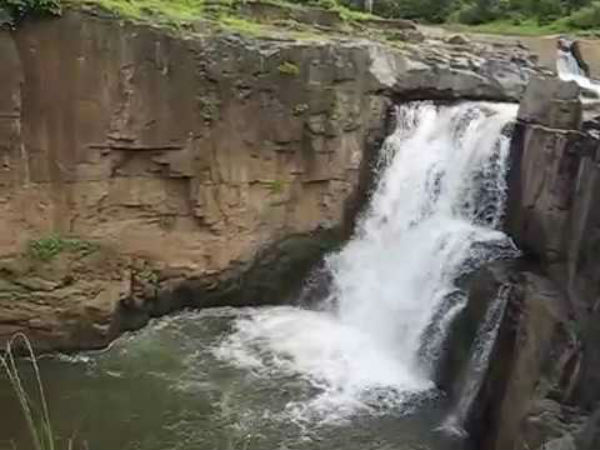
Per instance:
{"type": "Point", "coordinates": [14, 10]}
{"type": "Point", "coordinates": [288, 68]}
{"type": "Point", "coordinates": [275, 186]}
{"type": "Point", "coordinates": [548, 11]}
{"type": "Point", "coordinates": [585, 18]}
{"type": "Point", "coordinates": [476, 13]}
{"type": "Point", "coordinates": [327, 4]}
{"type": "Point", "coordinates": [45, 249]}
{"type": "Point", "coordinates": [434, 11]}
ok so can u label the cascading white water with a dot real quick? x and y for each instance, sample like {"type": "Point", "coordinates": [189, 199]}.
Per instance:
{"type": "Point", "coordinates": [478, 363]}
{"type": "Point", "coordinates": [568, 70]}
{"type": "Point", "coordinates": [433, 215]}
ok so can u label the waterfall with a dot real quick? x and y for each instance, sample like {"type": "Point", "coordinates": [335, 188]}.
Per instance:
{"type": "Point", "coordinates": [568, 70]}
{"type": "Point", "coordinates": [478, 363]}
{"type": "Point", "coordinates": [433, 216]}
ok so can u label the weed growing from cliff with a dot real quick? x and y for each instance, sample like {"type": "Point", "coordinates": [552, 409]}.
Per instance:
{"type": "Point", "coordinates": [45, 249]}
{"type": "Point", "coordinates": [38, 423]}
{"type": "Point", "coordinates": [288, 68]}
{"type": "Point", "coordinates": [275, 186]}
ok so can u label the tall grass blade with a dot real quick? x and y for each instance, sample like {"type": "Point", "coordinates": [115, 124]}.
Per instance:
{"type": "Point", "coordinates": [42, 434]}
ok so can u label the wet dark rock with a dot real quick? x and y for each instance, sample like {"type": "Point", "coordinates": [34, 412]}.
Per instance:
{"type": "Point", "coordinates": [543, 381]}
{"type": "Point", "coordinates": [482, 287]}
{"type": "Point", "coordinates": [530, 362]}
{"type": "Point", "coordinates": [552, 103]}
{"type": "Point", "coordinates": [275, 276]}
{"type": "Point", "coordinates": [589, 436]}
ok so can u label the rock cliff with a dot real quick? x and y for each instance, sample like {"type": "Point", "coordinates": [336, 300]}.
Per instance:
{"type": "Point", "coordinates": [542, 387]}
{"type": "Point", "coordinates": [199, 160]}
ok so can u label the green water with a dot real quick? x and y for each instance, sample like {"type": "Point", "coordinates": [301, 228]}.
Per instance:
{"type": "Point", "coordinates": [167, 387]}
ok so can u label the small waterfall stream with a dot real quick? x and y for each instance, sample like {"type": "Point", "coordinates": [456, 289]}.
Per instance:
{"type": "Point", "coordinates": [568, 70]}
{"type": "Point", "coordinates": [477, 366]}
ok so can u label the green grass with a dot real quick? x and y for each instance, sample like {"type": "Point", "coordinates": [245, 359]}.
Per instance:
{"type": "Point", "coordinates": [178, 13]}
{"type": "Point", "coordinates": [36, 415]}
{"type": "Point", "coordinates": [172, 11]}
{"type": "Point", "coordinates": [345, 13]}
{"type": "Point", "coordinates": [350, 15]}
{"type": "Point", "coordinates": [47, 248]}
{"type": "Point", "coordinates": [506, 27]}
{"type": "Point", "coordinates": [528, 27]}
{"type": "Point", "coordinates": [275, 187]}
{"type": "Point", "coordinates": [244, 26]}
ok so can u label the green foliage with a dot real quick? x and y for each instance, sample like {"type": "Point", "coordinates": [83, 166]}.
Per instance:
{"type": "Point", "coordinates": [434, 11]}
{"type": "Point", "coordinates": [515, 26]}
{"type": "Point", "coordinates": [45, 249]}
{"type": "Point", "coordinates": [508, 16]}
{"type": "Point", "coordinates": [288, 68]}
{"type": "Point", "coordinates": [149, 275]}
{"type": "Point", "coordinates": [275, 186]}
{"type": "Point", "coordinates": [473, 14]}
{"type": "Point", "coordinates": [534, 16]}
{"type": "Point", "coordinates": [171, 12]}
{"type": "Point", "coordinates": [327, 4]}
{"type": "Point", "coordinates": [239, 24]}
{"type": "Point", "coordinates": [12, 11]}
{"type": "Point", "coordinates": [585, 18]}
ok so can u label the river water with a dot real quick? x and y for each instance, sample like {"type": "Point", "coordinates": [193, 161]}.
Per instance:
{"type": "Point", "coordinates": [353, 373]}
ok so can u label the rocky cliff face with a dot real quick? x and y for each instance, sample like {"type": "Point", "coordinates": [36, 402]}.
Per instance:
{"type": "Point", "coordinates": [199, 161]}
{"type": "Point", "coordinates": [552, 215]}
{"type": "Point", "coordinates": [542, 382]}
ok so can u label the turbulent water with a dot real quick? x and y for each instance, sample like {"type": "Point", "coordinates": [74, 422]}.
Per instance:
{"type": "Point", "coordinates": [355, 372]}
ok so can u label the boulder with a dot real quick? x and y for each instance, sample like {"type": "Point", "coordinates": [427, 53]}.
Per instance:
{"type": "Point", "coordinates": [553, 189]}
{"type": "Point", "coordinates": [553, 103]}
{"type": "Point", "coordinates": [458, 39]}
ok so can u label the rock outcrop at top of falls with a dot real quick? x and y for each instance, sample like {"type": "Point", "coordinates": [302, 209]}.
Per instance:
{"type": "Point", "coordinates": [185, 158]}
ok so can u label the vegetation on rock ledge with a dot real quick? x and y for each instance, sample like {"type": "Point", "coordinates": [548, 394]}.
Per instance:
{"type": "Point", "coordinates": [45, 249]}
{"type": "Point", "coordinates": [288, 68]}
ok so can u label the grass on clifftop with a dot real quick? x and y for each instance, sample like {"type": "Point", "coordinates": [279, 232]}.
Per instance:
{"type": "Point", "coordinates": [172, 10]}
{"type": "Point", "coordinates": [225, 14]}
